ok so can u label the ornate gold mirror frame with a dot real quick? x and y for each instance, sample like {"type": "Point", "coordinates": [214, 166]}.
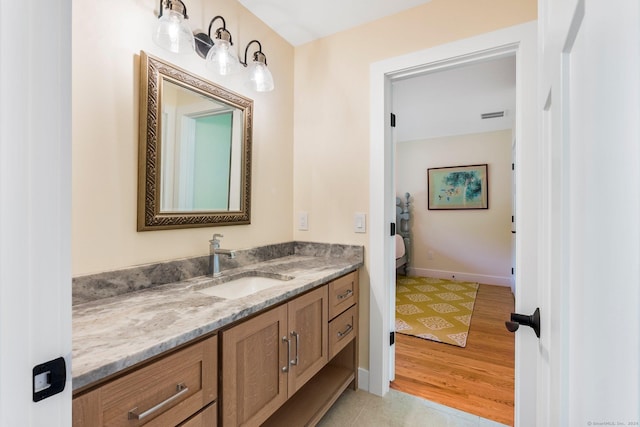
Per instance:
{"type": "Point", "coordinates": [154, 72]}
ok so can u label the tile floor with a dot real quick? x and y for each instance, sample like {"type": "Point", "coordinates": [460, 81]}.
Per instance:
{"type": "Point", "coordinates": [396, 409]}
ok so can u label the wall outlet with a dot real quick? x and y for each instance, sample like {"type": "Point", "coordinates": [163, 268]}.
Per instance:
{"type": "Point", "coordinates": [303, 221]}
{"type": "Point", "coordinates": [430, 255]}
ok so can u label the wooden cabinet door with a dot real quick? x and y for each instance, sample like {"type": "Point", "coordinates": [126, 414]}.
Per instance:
{"type": "Point", "coordinates": [308, 329]}
{"type": "Point", "coordinates": [254, 384]}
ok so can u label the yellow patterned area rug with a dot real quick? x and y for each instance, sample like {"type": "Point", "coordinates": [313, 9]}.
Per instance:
{"type": "Point", "coordinates": [435, 309]}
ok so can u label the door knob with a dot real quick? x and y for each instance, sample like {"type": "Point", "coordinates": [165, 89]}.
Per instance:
{"type": "Point", "coordinates": [532, 321]}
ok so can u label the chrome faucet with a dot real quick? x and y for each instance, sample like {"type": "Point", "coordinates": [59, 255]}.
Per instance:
{"type": "Point", "coordinates": [214, 251]}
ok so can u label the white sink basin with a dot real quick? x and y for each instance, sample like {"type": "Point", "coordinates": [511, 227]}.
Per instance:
{"type": "Point", "coordinates": [241, 287]}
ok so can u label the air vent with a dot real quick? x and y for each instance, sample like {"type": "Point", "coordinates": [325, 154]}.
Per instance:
{"type": "Point", "coordinates": [492, 115]}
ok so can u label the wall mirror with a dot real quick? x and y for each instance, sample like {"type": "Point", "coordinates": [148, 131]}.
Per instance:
{"type": "Point", "coordinates": [194, 165]}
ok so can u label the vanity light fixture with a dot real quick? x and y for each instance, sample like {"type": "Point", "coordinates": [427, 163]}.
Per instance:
{"type": "Point", "coordinates": [218, 53]}
{"type": "Point", "coordinates": [260, 78]}
{"type": "Point", "coordinates": [171, 32]}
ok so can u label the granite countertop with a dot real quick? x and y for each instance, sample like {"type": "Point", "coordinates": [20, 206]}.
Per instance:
{"type": "Point", "coordinates": [114, 333]}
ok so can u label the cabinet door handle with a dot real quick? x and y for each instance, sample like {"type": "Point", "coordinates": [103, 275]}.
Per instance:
{"type": "Point", "coordinates": [348, 329]}
{"type": "Point", "coordinates": [181, 389]}
{"type": "Point", "coordinates": [345, 295]}
{"type": "Point", "coordinates": [286, 367]}
{"type": "Point", "coordinates": [297, 337]}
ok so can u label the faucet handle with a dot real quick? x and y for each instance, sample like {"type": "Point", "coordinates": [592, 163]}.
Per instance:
{"type": "Point", "coordinates": [215, 241]}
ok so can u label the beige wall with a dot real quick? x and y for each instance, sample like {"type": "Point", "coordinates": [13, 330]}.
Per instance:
{"type": "Point", "coordinates": [325, 172]}
{"type": "Point", "coordinates": [107, 39]}
{"type": "Point", "coordinates": [476, 242]}
{"type": "Point", "coordinates": [331, 100]}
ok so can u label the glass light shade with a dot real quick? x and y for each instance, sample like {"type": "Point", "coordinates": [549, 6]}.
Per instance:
{"type": "Point", "coordinates": [173, 34]}
{"type": "Point", "coordinates": [260, 78]}
{"type": "Point", "coordinates": [222, 59]}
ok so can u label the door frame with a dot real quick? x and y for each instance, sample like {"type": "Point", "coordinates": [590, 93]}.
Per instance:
{"type": "Point", "coordinates": [520, 40]}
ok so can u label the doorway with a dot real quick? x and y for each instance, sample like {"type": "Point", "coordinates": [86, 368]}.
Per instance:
{"type": "Point", "coordinates": [520, 40]}
{"type": "Point", "coordinates": [451, 118]}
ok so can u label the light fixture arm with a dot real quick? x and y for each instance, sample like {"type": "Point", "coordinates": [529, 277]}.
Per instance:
{"type": "Point", "coordinates": [257, 55]}
{"type": "Point", "coordinates": [204, 42]}
{"type": "Point", "coordinates": [169, 4]}
{"type": "Point", "coordinates": [221, 32]}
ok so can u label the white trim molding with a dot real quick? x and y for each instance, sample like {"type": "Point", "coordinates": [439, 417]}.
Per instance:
{"type": "Point", "coordinates": [363, 379]}
{"type": "Point", "coordinates": [461, 276]}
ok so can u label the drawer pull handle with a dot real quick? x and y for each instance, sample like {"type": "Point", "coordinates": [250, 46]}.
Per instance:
{"type": "Point", "coordinates": [346, 294]}
{"type": "Point", "coordinates": [348, 329]}
{"type": "Point", "coordinates": [297, 337]}
{"type": "Point", "coordinates": [181, 390]}
{"type": "Point", "coordinates": [288, 341]}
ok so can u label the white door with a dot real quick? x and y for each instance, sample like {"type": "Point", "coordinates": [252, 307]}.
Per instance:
{"type": "Point", "coordinates": [392, 279]}
{"type": "Point", "coordinates": [513, 216]}
{"type": "Point", "coordinates": [35, 206]}
{"type": "Point", "coordinates": [588, 354]}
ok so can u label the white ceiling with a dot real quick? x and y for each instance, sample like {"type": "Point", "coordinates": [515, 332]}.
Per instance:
{"type": "Point", "coordinates": [450, 102]}
{"type": "Point", "coordinates": [299, 21]}
{"type": "Point", "coordinates": [432, 105]}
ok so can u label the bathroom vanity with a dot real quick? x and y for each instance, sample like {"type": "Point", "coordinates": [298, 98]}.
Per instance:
{"type": "Point", "coordinates": [292, 355]}
{"type": "Point", "coordinates": [176, 354]}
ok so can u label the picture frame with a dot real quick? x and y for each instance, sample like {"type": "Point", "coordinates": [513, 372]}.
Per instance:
{"type": "Point", "coordinates": [458, 187]}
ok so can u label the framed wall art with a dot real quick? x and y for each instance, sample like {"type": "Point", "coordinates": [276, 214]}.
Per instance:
{"type": "Point", "coordinates": [458, 187]}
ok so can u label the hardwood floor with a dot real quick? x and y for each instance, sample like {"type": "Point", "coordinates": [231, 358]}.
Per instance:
{"type": "Point", "coordinates": [479, 378]}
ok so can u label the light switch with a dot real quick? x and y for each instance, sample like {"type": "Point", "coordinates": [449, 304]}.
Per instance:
{"type": "Point", "coordinates": [360, 222]}
{"type": "Point", "coordinates": [303, 221]}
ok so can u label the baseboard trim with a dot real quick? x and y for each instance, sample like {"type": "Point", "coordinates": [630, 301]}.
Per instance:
{"type": "Point", "coordinates": [467, 277]}
{"type": "Point", "coordinates": [363, 379]}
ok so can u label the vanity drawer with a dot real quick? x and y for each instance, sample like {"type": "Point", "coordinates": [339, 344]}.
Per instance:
{"type": "Point", "coordinates": [343, 293]}
{"type": "Point", "coordinates": [166, 392]}
{"type": "Point", "coordinates": [342, 330]}
{"type": "Point", "coordinates": [208, 417]}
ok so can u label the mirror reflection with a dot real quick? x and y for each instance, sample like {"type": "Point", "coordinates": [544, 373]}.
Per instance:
{"type": "Point", "coordinates": [202, 154]}
{"type": "Point", "coordinates": [195, 150]}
